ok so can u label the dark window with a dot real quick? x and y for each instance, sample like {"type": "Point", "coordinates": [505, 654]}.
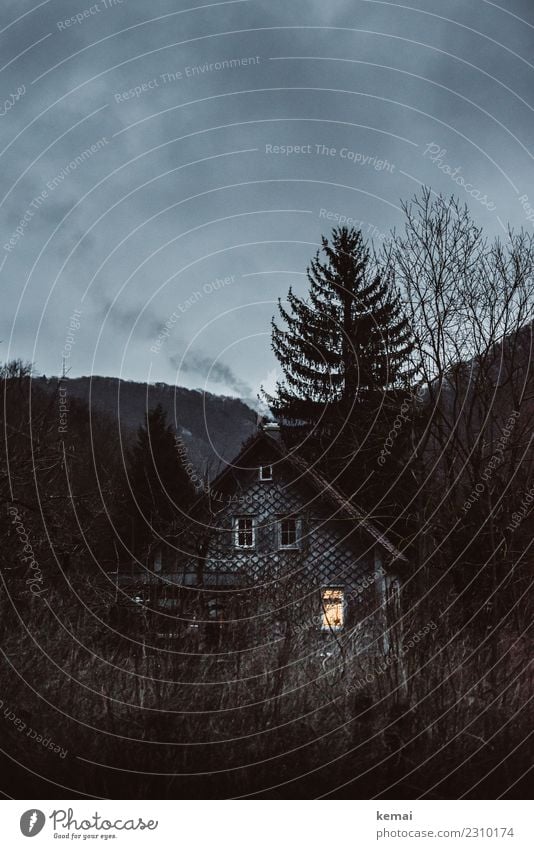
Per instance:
{"type": "Point", "coordinates": [288, 533]}
{"type": "Point", "coordinates": [266, 473]}
{"type": "Point", "coordinates": [244, 532]}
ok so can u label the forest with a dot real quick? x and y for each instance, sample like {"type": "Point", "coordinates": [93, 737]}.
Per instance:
{"type": "Point", "coordinates": [408, 382]}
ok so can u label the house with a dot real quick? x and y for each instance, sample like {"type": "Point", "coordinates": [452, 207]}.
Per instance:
{"type": "Point", "coordinates": [281, 531]}
{"type": "Point", "coordinates": [279, 550]}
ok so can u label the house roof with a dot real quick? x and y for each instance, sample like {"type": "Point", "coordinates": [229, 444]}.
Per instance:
{"type": "Point", "coordinates": [319, 483]}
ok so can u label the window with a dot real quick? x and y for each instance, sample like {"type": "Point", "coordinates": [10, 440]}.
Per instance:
{"type": "Point", "coordinates": [266, 473]}
{"type": "Point", "coordinates": [333, 603]}
{"type": "Point", "coordinates": [244, 532]}
{"type": "Point", "coordinates": [288, 533]}
{"type": "Point", "coordinates": [216, 609]}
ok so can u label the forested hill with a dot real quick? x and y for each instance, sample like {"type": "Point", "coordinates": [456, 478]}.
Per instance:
{"type": "Point", "coordinates": [212, 426]}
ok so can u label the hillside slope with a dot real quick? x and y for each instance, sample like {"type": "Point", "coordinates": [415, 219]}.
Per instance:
{"type": "Point", "coordinates": [213, 427]}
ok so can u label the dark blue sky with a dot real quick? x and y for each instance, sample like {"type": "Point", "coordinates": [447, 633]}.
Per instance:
{"type": "Point", "coordinates": [168, 169]}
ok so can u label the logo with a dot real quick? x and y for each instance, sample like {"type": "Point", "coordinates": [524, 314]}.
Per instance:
{"type": "Point", "coordinates": [31, 822]}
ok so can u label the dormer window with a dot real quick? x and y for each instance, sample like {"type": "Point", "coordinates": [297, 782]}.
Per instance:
{"type": "Point", "coordinates": [266, 473]}
{"type": "Point", "coordinates": [244, 532]}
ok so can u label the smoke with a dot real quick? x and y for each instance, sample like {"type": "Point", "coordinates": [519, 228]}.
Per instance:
{"type": "Point", "coordinates": [213, 371]}
{"type": "Point", "coordinates": [126, 316]}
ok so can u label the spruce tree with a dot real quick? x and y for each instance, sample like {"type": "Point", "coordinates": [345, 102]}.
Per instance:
{"type": "Point", "coordinates": [161, 489]}
{"type": "Point", "coordinates": [344, 352]}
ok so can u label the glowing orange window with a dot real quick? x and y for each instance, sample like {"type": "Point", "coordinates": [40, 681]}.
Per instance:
{"type": "Point", "coordinates": [333, 603]}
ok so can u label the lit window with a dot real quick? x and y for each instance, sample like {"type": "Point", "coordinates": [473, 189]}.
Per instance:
{"type": "Point", "coordinates": [333, 608]}
{"type": "Point", "coordinates": [288, 533]}
{"type": "Point", "coordinates": [244, 532]}
{"type": "Point", "coordinates": [266, 473]}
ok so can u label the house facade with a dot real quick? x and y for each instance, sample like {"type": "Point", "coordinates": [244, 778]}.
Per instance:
{"type": "Point", "coordinates": [280, 551]}
{"type": "Point", "coordinates": [286, 552]}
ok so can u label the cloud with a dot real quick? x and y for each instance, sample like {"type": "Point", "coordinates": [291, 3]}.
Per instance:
{"type": "Point", "coordinates": [126, 316]}
{"type": "Point", "coordinates": [187, 193]}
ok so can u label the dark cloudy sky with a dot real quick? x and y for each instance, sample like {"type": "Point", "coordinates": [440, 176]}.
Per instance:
{"type": "Point", "coordinates": [179, 191]}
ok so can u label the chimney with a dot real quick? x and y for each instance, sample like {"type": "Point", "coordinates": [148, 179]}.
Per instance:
{"type": "Point", "coordinates": [272, 429]}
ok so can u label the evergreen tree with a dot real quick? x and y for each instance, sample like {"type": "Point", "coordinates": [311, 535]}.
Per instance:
{"type": "Point", "coordinates": [162, 491]}
{"type": "Point", "coordinates": [344, 352]}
